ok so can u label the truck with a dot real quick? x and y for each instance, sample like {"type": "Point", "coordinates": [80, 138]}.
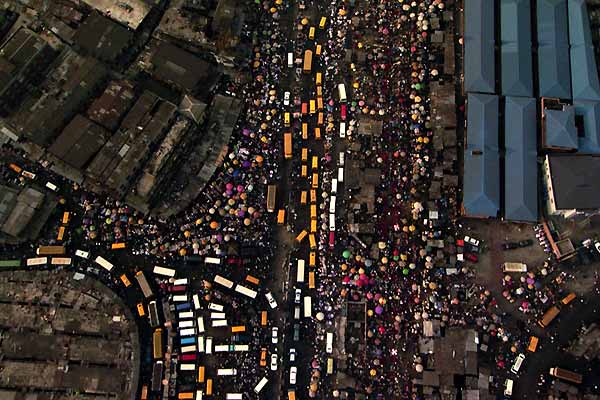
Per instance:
{"type": "Point", "coordinates": [566, 375]}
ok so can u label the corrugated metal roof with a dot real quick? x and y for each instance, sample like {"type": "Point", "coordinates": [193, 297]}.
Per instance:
{"type": "Point", "coordinates": [515, 33]}
{"type": "Point", "coordinates": [590, 111]}
{"type": "Point", "coordinates": [554, 72]}
{"type": "Point", "coordinates": [552, 22]}
{"type": "Point", "coordinates": [579, 23]}
{"type": "Point", "coordinates": [482, 162]}
{"type": "Point", "coordinates": [584, 78]}
{"type": "Point", "coordinates": [560, 128]}
{"type": "Point", "coordinates": [479, 60]}
{"type": "Point", "coordinates": [520, 195]}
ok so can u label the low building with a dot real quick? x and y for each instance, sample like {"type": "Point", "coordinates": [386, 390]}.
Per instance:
{"type": "Point", "coordinates": [128, 12]}
{"type": "Point", "coordinates": [102, 38]}
{"type": "Point", "coordinates": [571, 184]}
{"type": "Point", "coordinates": [23, 213]}
{"type": "Point", "coordinates": [109, 109]}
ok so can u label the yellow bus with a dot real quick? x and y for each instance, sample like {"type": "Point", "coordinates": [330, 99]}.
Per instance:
{"type": "Point", "coordinates": [312, 106]}
{"type": "Point", "coordinates": [301, 236]}
{"type": "Point", "coordinates": [313, 226]}
{"type": "Point", "coordinates": [318, 78]}
{"type": "Point", "coordinates": [320, 102]}
{"type": "Point", "coordinates": [320, 119]}
{"type": "Point", "coordinates": [315, 181]}
{"type": "Point", "coordinates": [287, 145]}
{"type": "Point", "coordinates": [313, 211]}
{"type": "Point", "coordinates": [319, 91]}
{"type": "Point", "coordinates": [286, 119]}
{"type": "Point", "coordinates": [305, 130]}
{"type": "Point", "coordinates": [239, 328]}
{"type": "Point", "coordinates": [185, 396]}
{"type": "Point", "coordinates": [303, 196]}
{"type": "Point", "coordinates": [157, 343]}
{"type": "Point", "coordinates": [322, 22]}
{"type": "Point", "coordinates": [140, 309]}
{"type": "Point", "coordinates": [311, 33]}
{"type": "Point", "coordinates": [317, 133]}
{"type": "Point", "coordinates": [533, 342]}
{"type": "Point", "coordinates": [304, 154]}
{"type": "Point", "coordinates": [125, 281]}
{"type": "Point", "coordinates": [15, 168]}
{"type": "Point", "coordinates": [66, 217]}
{"type": "Point", "coordinates": [311, 280]}
{"type": "Point", "coordinates": [315, 162]}
{"type": "Point", "coordinates": [263, 318]}
{"type": "Point", "coordinates": [117, 246]}
{"type": "Point", "coordinates": [548, 316]}
{"type": "Point", "coordinates": [291, 394]}
{"type": "Point", "coordinates": [307, 62]}
{"type": "Point", "coordinates": [144, 394]}
{"type": "Point", "coordinates": [304, 171]}
{"type": "Point", "coordinates": [318, 50]}
{"type": "Point", "coordinates": [313, 196]}
{"type": "Point", "coordinates": [50, 250]}
{"type": "Point", "coordinates": [312, 259]}
{"type": "Point", "coordinates": [209, 387]}
{"type": "Point", "coordinates": [252, 279]}
{"type": "Point", "coordinates": [281, 217]}
{"type": "Point", "coordinates": [201, 374]}
{"type": "Point", "coordinates": [61, 233]}
{"type": "Point", "coordinates": [568, 298]}
{"type": "Point", "coordinates": [271, 194]}
{"type": "Point", "coordinates": [312, 241]}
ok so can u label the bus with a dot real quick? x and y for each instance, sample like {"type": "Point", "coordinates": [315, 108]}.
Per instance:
{"type": "Point", "coordinates": [271, 195]}
{"type": "Point", "coordinates": [183, 307]}
{"type": "Point", "coordinates": [50, 250]}
{"type": "Point", "coordinates": [201, 374]}
{"type": "Point", "coordinates": [568, 298]}
{"type": "Point", "coordinates": [199, 395]}
{"type": "Point", "coordinates": [566, 375]}
{"type": "Point", "coordinates": [117, 246]}
{"type": "Point", "coordinates": [300, 271]}
{"type": "Point", "coordinates": [209, 385]}
{"type": "Point", "coordinates": [185, 396]}
{"type": "Point", "coordinates": [342, 92]}
{"type": "Point", "coordinates": [239, 328]}
{"type": "Point", "coordinates": [140, 309]}
{"type": "Point", "coordinates": [301, 236]}
{"type": "Point", "coordinates": [157, 345]}
{"type": "Point", "coordinates": [318, 78]}
{"type": "Point", "coordinates": [215, 307]}
{"type": "Point", "coordinates": [212, 260]}
{"type": "Point", "coordinates": [157, 372]}
{"type": "Point", "coordinates": [201, 345]}
{"type": "Point", "coordinates": [307, 62]}
{"type": "Point", "coordinates": [187, 341]}
{"type": "Point", "coordinates": [209, 345]}
{"type": "Point", "coordinates": [312, 241]}
{"type": "Point", "coordinates": [223, 281]}
{"type": "Point", "coordinates": [15, 168]}
{"type": "Point", "coordinates": [141, 279]}
{"type": "Point", "coordinates": [548, 316]}
{"type": "Point", "coordinates": [125, 281]}
{"type": "Point", "coordinates": [144, 395]}
{"type": "Point", "coordinates": [287, 145]}
{"type": "Point", "coordinates": [185, 324]}
{"type": "Point", "coordinates": [533, 342]}
{"type": "Point", "coordinates": [233, 396]}
{"type": "Point", "coordinates": [60, 261]}
{"type": "Point", "coordinates": [311, 280]}
{"type": "Point", "coordinates": [196, 300]}
{"type": "Point", "coordinates": [164, 271]}
{"type": "Point", "coordinates": [315, 181]}
{"type": "Point", "coordinates": [263, 318]}
{"type": "Point", "coordinates": [10, 263]}
{"type": "Point", "coordinates": [329, 366]}
{"type": "Point", "coordinates": [104, 263]}
{"type": "Point", "coordinates": [153, 314]}
{"type": "Point", "coordinates": [245, 291]}
{"type": "Point", "coordinates": [218, 323]}
{"type": "Point", "coordinates": [329, 343]}
{"type": "Point", "coordinates": [187, 332]}
{"type": "Point", "coordinates": [217, 315]}
{"type": "Point", "coordinates": [180, 298]}
{"type": "Point", "coordinates": [187, 367]}
{"type": "Point", "coordinates": [260, 385]}
{"type": "Point", "coordinates": [317, 133]}
{"type": "Point", "coordinates": [37, 261]}
{"type": "Point", "coordinates": [307, 307]}
{"type": "Point", "coordinates": [226, 371]}
{"type": "Point", "coordinates": [179, 282]}
{"type": "Point", "coordinates": [312, 109]}
{"type": "Point", "coordinates": [66, 217]}
{"type": "Point", "coordinates": [61, 234]}
{"type": "Point", "coordinates": [312, 258]}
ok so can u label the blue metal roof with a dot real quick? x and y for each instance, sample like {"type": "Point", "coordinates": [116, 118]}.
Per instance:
{"type": "Point", "coordinates": [515, 32]}
{"type": "Point", "coordinates": [579, 23]}
{"type": "Point", "coordinates": [552, 22]}
{"type": "Point", "coordinates": [584, 78]}
{"type": "Point", "coordinates": [590, 111]}
{"type": "Point", "coordinates": [520, 168]}
{"type": "Point", "coordinates": [479, 59]}
{"type": "Point", "coordinates": [482, 161]}
{"type": "Point", "coordinates": [560, 128]}
{"type": "Point", "coordinates": [554, 71]}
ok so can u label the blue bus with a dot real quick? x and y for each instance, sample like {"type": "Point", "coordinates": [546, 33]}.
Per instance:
{"type": "Point", "coordinates": [183, 307]}
{"type": "Point", "coordinates": [188, 340]}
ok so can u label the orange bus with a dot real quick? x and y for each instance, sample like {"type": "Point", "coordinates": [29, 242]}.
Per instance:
{"type": "Point", "coordinates": [281, 217]}
{"type": "Point", "coordinates": [317, 133]}
{"type": "Point", "coordinates": [287, 145]}
{"type": "Point", "coordinates": [548, 316]}
{"type": "Point", "coordinates": [140, 309]}
{"type": "Point", "coordinates": [61, 233]}
{"type": "Point", "coordinates": [237, 329]}
{"type": "Point", "coordinates": [304, 131]}
{"type": "Point", "coordinates": [533, 342]}
{"type": "Point", "coordinates": [320, 103]}
{"type": "Point", "coordinates": [304, 171]}
{"type": "Point", "coordinates": [144, 395]}
{"type": "Point", "coordinates": [301, 236]}
{"type": "Point", "coordinates": [312, 259]}
{"type": "Point", "coordinates": [320, 119]}
{"type": "Point", "coordinates": [125, 281]}
{"type": "Point", "coordinates": [568, 298]}
{"type": "Point", "coordinates": [209, 387]}
{"type": "Point", "coordinates": [201, 374]}
{"type": "Point", "coordinates": [304, 154]}
{"type": "Point", "coordinates": [303, 196]}
{"type": "Point", "coordinates": [311, 280]}
{"type": "Point", "coordinates": [307, 62]}
{"type": "Point", "coordinates": [252, 279]}
{"type": "Point", "coordinates": [66, 217]}
{"type": "Point", "coordinates": [117, 246]}
{"type": "Point", "coordinates": [185, 396]}
{"type": "Point", "coordinates": [271, 195]}
{"type": "Point", "coordinates": [15, 168]}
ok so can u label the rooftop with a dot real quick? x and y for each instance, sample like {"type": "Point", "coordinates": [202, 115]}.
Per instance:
{"type": "Point", "coordinates": [127, 12]}
{"type": "Point", "coordinates": [108, 109]}
{"type": "Point", "coordinates": [575, 181]}
{"type": "Point", "coordinates": [102, 38]}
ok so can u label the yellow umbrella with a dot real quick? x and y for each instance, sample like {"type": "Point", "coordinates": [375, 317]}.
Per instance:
{"type": "Point", "coordinates": [304, 21]}
{"type": "Point", "coordinates": [182, 252]}
{"type": "Point", "coordinates": [273, 10]}
{"type": "Point", "coordinates": [187, 234]}
{"type": "Point", "coordinates": [342, 12]}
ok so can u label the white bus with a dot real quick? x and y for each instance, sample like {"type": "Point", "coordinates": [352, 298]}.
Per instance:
{"type": "Point", "coordinates": [212, 260]}
{"type": "Point", "coordinates": [82, 254]}
{"type": "Point", "coordinates": [260, 385]}
{"type": "Point", "coordinates": [178, 282]}
{"type": "Point", "coordinates": [342, 92]}
{"type": "Point", "coordinates": [226, 371]}
{"type": "Point", "coordinates": [101, 261]}
{"type": "Point", "coordinates": [164, 271]}
{"type": "Point", "coordinates": [61, 261]}
{"type": "Point", "coordinates": [223, 281]}
{"type": "Point", "coordinates": [342, 130]}
{"type": "Point", "coordinates": [218, 323]}
{"type": "Point", "coordinates": [300, 271]}
{"type": "Point", "coordinates": [245, 291]}
{"type": "Point", "coordinates": [341, 174]}
{"type": "Point", "coordinates": [332, 200]}
{"type": "Point", "coordinates": [307, 307]}
{"type": "Point", "coordinates": [185, 315]}
{"type": "Point", "coordinates": [217, 315]}
{"type": "Point", "coordinates": [221, 348]}
{"type": "Point", "coordinates": [188, 349]}
{"type": "Point", "coordinates": [200, 344]}
{"type": "Point", "coordinates": [37, 261]}
{"type": "Point", "coordinates": [241, 347]}
{"type": "Point", "coordinates": [233, 396]}
{"type": "Point", "coordinates": [188, 367]}
{"type": "Point", "coordinates": [215, 307]}
{"type": "Point", "coordinates": [332, 222]}
{"type": "Point", "coordinates": [185, 324]}
{"type": "Point", "coordinates": [196, 300]}
{"type": "Point", "coordinates": [334, 186]}
{"type": "Point", "coordinates": [200, 322]}
{"type": "Point", "coordinates": [187, 332]}
{"type": "Point", "coordinates": [180, 298]}
{"type": "Point", "coordinates": [329, 344]}
{"type": "Point", "coordinates": [209, 345]}
{"type": "Point", "coordinates": [199, 394]}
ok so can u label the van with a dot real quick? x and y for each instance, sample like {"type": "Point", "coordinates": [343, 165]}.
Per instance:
{"type": "Point", "coordinates": [317, 133]}
{"type": "Point", "coordinates": [312, 241]}
{"type": "Point", "coordinates": [518, 362]}
{"type": "Point", "coordinates": [305, 130]}
{"type": "Point", "coordinates": [313, 106]}
{"type": "Point", "coordinates": [569, 298]}
{"type": "Point", "coordinates": [341, 174]}
{"type": "Point", "coordinates": [239, 328]}
{"type": "Point", "coordinates": [281, 217]}
{"type": "Point", "coordinates": [342, 158]}
{"type": "Point", "coordinates": [312, 259]}
{"type": "Point", "coordinates": [303, 196]}
{"type": "Point", "coordinates": [286, 119]}
{"type": "Point", "coordinates": [318, 50]}
{"type": "Point", "coordinates": [342, 130]}
{"type": "Point", "coordinates": [320, 119]}
{"type": "Point", "coordinates": [304, 154]}
{"type": "Point", "coordinates": [263, 318]}
{"type": "Point", "coordinates": [52, 186]}
{"type": "Point", "coordinates": [117, 246]}
{"type": "Point", "coordinates": [301, 236]}
{"type": "Point", "coordinates": [508, 387]}
{"type": "Point", "coordinates": [315, 181]}
{"type": "Point", "coordinates": [311, 33]}
{"type": "Point", "coordinates": [322, 22]}
{"type": "Point", "coordinates": [533, 342]}
{"type": "Point", "coordinates": [297, 312]}
{"type": "Point", "coordinates": [290, 60]}
{"type": "Point", "coordinates": [319, 78]}
{"type": "Point", "coordinates": [332, 222]}
{"type": "Point", "coordinates": [304, 171]}
{"type": "Point", "coordinates": [329, 343]}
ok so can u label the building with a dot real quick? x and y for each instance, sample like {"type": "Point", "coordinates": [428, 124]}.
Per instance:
{"type": "Point", "coordinates": [109, 109]}
{"type": "Point", "coordinates": [102, 38]}
{"type": "Point", "coordinates": [128, 12]}
{"type": "Point", "coordinates": [23, 213]}
{"type": "Point", "coordinates": [571, 184]}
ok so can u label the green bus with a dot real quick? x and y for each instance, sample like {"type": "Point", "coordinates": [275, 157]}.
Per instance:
{"type": "Point", "coordinates": [10, 263]}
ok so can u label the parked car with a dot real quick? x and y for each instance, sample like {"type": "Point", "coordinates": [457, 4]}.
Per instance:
{"type": "Point", "coordinates": [286, 99]}
{"type": "Point", "coordinates": [292, 355]}
{"type": "Point", "coordinates": [296, 332]}
{"type": "Point", "coordinates": [472, 241]}
{"type": "Point", "coordinates": [471, 257]}
{"type": "Point", "coordinates": [293, 373]}
{"type": "Point", "coordinates": [271, 300]}
{"type": "Point", "coordinates": [273, 362]}
{"type": "Point", "coordinates": [263, 357]}
{"type": "Point", "coordinates": [274, 337]}
{"type": "Point", "coordinates": [510, 246]}
{"type": "Point", "coordinates": [297, 296]}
